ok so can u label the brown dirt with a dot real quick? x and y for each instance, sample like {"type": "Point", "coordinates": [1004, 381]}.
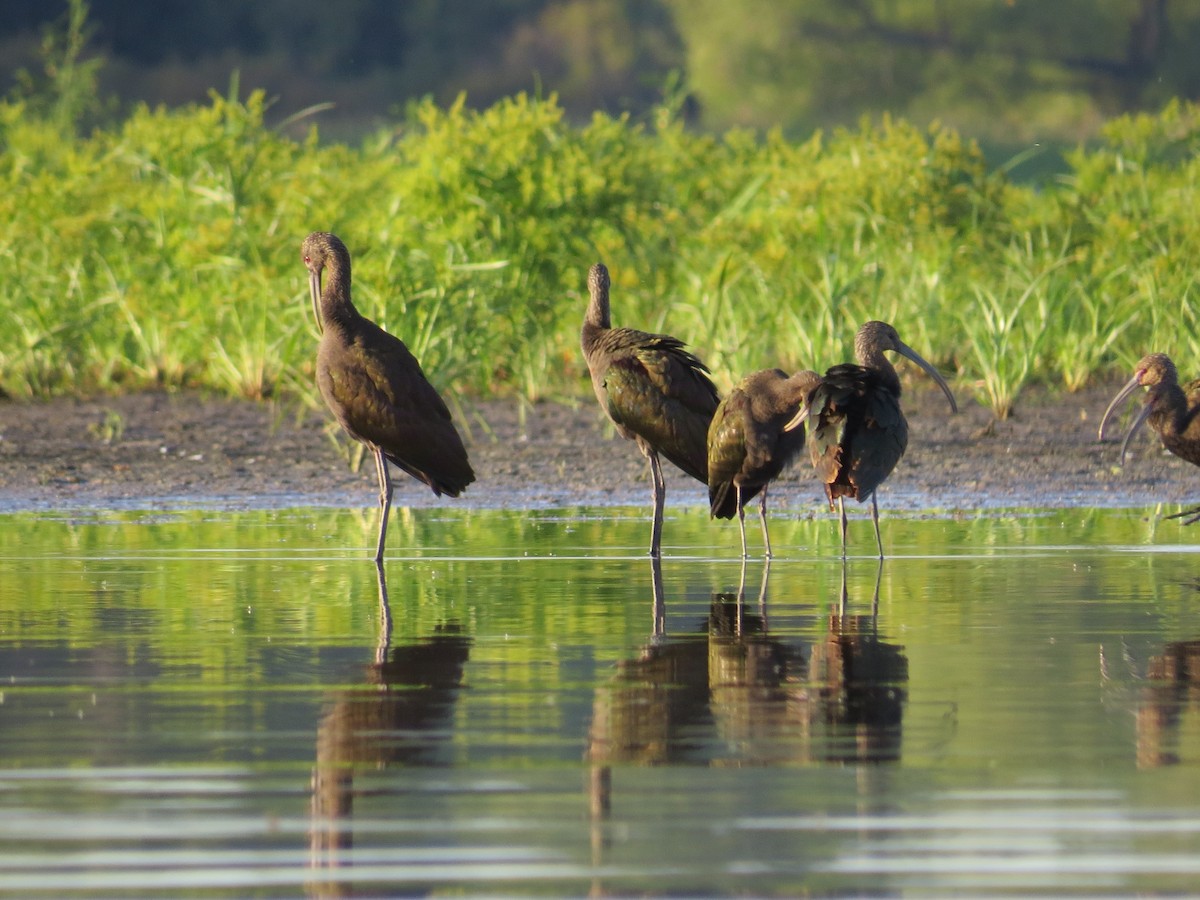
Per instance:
{"type": "Point", "coordinates": [151, 451]}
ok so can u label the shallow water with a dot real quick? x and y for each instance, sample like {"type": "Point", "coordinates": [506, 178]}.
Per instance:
{"type": "Point", "coordinates": [208, 704]}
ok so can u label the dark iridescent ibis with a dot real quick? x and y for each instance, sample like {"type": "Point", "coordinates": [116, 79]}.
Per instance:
{"type": "Point", "coordinates": [657, 393]}
{"type": "Point", "coordinates": [375, 387]}
{"type": "Point", "coordinates": [1171, 409]}
{"type": "Point", "coordinates": [856, 429]}
{"type": "Point", "coordinates": [754, 435]}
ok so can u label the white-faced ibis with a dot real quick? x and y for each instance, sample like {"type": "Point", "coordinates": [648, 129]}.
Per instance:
{"type": "Point", "coordinates": [656, 392]}
{"type": "Point", "coordinates": [856, 429]}
{"type": "Point", "coordinates": [1169, 407]}
{"type": "Point", "coordinates": [754, 435]}
{"type": "Point", "coordinates": [375, 387]}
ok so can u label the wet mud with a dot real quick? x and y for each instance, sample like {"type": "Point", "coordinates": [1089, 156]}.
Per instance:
{"type": "Point", "coordinates": [156, 450]}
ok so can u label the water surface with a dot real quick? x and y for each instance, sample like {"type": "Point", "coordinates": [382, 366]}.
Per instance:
{"type": "Point", "coordinates": [210, 704]}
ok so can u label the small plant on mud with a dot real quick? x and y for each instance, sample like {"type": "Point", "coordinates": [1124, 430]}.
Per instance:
{"type": "Point", "coordinates": [110, 427]}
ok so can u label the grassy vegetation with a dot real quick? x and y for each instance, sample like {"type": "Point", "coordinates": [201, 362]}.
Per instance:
{"type": "Point", "coordinates": [164, 250]}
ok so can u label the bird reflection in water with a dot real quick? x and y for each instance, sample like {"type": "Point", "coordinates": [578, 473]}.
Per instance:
{"type": "Point", "coordinates": [857, 685]}
{"type": "Point", "coordinates": [401, 716]}
{"type": "Point", "coordinates": [730, 693]}
{"type": "Point", "coordinates": [1172, 687]}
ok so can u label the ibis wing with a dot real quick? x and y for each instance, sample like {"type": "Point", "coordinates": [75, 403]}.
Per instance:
{"type": "Point", "coordinates": [768, 448]}
{"type": "Point", "coordinates": [381, 397]}
{"type": "Point", "coordinates": [832, 406]}
{"type": "Point", "coordinates": [663, 394]}
{"type": "Point", "coordinates": [878, 441]}
{"type": "Point", "coordinates": [857, 432]}
{"type": "Point", "coordinates": [726, 453]}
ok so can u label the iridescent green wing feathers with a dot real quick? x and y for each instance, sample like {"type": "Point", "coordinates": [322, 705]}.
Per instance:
{"type": "Point", "coordinates": [658, 391]}
{"type": "Point", "coordinates": [748, 445]}
{"type": "Point", "coordinates": [727, 453]}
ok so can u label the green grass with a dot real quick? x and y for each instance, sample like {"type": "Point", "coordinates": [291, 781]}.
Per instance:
{"type": "Point", "coordinates": [163, 251]}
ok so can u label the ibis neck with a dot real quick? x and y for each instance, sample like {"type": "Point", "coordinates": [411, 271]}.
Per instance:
{"type": "Point", "coordinates": [1171, 408]}
{"type": "Point", "coordinates": [872, 358]}
{"type": "Point", "coordinates": [597, 315]}
{"type": "Point", "coordinates": [596, 325]}
{"type": "Point", "coordinates": [336, 305]}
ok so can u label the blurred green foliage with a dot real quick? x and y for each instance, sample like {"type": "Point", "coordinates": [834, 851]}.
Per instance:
{"type": "Point", "coordinates": [163, 251]}
{"type": "Point", "coordinates": [1010, 73]}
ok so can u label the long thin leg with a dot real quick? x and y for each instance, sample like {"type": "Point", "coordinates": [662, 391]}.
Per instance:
{"type": "Point", "coordinates": [842, 508]}
{"type": "Point", "coordinates": [875, 519]}
{"type": "Point", "coordinates": [762, 517]}
{"type": "Point", "coordinates": [741, 511]}
{"type": "Point", "coordinates": [385, 501]}
{"type": "Point", "coordinates": [382, 476]}
{"type": "Point", "coordinates": [660, 494]}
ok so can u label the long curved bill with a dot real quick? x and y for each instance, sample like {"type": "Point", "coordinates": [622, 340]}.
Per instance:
{"type": "Point", "coordinates": [908, 352]}
{"type": "Point", "coordinates": [1126, 389]}
{"type": "Point", "coordinates": [314, 291]}
{"type": "Point", "coordinates": [1133, 427]}
{"type": "Point", "coordinates": [798, 419]}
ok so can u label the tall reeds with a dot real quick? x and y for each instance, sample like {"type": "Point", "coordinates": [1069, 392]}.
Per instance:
{"type": "Point", "coordinates": [162, 251]}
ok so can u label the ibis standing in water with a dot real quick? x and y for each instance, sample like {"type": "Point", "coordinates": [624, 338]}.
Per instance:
{"type": "Point", "coordinates": [375, 387]}
{"type": "Point", "coordinates": [1171, 409]}
{"type": "Point", "coordinates": [755, 433]}
{"type": "Point", "coordinates": [856, 429]}
{"type": "Point", "coordinates": [656, 393]}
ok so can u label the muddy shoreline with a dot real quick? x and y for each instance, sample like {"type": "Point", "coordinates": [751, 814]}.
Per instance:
{"type": "Point", "coordinates": [159, 450]}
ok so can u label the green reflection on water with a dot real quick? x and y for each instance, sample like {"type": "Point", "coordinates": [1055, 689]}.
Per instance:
{"type": "Point", "coordinates": [1013, 656]}
{"type": "Point", "coordinates": [300, 573]}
